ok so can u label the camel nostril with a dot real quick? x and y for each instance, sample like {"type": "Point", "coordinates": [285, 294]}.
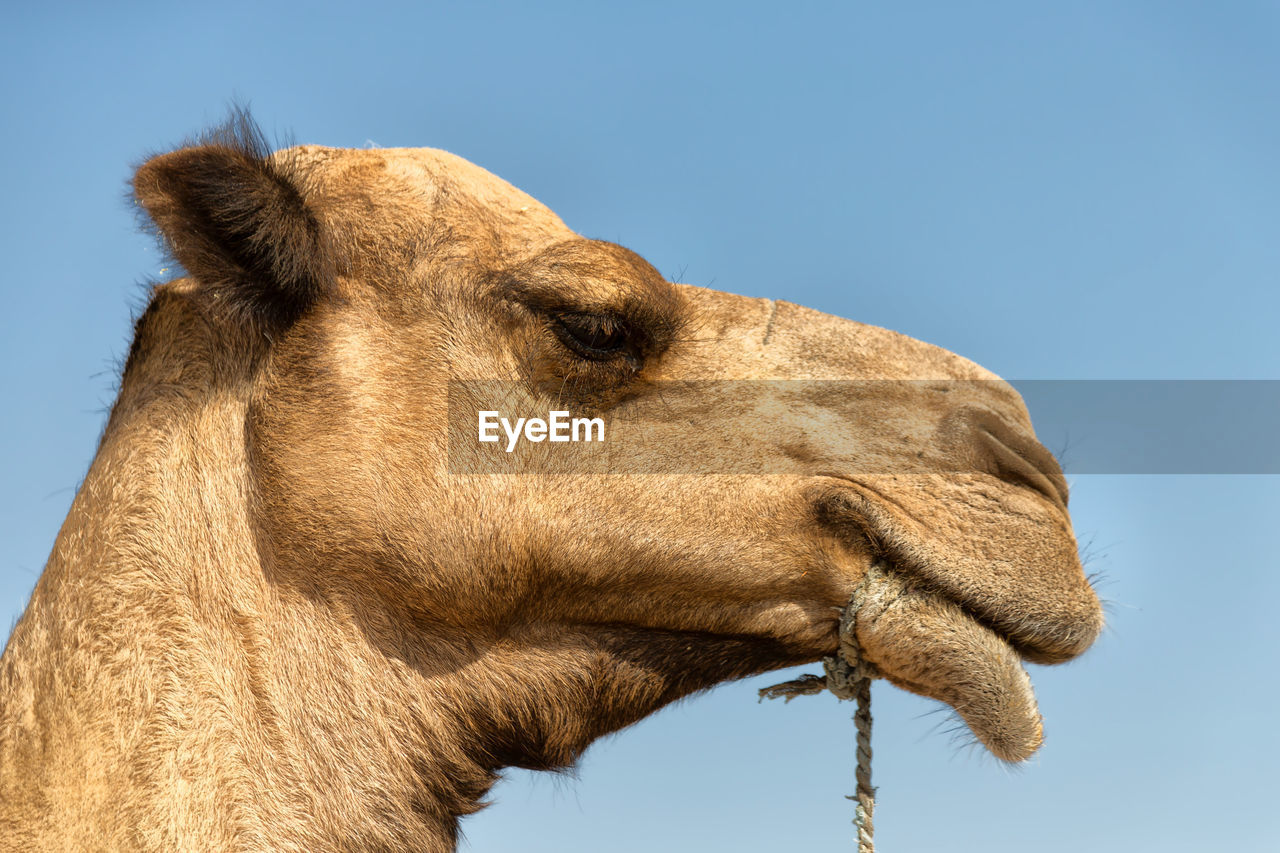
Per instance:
{"type": "Point", "coordinates": [1023, 461]}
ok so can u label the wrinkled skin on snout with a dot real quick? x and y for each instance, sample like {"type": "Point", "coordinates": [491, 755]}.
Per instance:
{"type": "Point", "coordinates": [292, 534]}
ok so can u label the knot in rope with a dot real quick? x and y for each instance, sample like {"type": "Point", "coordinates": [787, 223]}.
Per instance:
{"type": "Point", "coordinates": [848, 675]}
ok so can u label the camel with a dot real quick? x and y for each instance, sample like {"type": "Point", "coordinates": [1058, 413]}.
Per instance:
{"type": "Point", "coordinates": [296, 605]}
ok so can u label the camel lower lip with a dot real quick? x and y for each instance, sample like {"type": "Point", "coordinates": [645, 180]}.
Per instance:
{"type": "Point", "coordinates": [929, 645]}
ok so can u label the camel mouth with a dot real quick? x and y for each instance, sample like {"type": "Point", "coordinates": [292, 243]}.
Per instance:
{"type": "Point", "coordinates": [940, 620]}
{"type": "Point", "coordinates": [1051, 617]}
{"type": "Point", "coordinates": [1030, 640]}
{"type": "Point", "coordinates": [926, 644]}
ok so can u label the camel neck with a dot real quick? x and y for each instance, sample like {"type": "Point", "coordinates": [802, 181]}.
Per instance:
{"type": "Point", "coordinates": [161, 691]}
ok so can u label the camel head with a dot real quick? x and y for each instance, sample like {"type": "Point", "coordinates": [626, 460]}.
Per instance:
{"type": "Point", "coordinates": [363, 307]}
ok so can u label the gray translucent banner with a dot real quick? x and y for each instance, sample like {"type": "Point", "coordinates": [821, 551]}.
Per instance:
{"type": "Point", "coordinates": [1140, 426]}
{"type": "Point", "coordinates": [860, 427]}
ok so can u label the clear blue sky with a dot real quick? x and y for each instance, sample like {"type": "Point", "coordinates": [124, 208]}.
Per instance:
{"type": "Point", "coordinates": [1075, 190]}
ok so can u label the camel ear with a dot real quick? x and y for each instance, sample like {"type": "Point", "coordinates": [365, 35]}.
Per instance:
{"type": "Point", "coordinates": [236, 220]}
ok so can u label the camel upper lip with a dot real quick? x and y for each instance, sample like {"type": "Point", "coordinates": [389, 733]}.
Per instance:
{"type": "Point", "coordinates": [1031, 641]}
{"type": "Point", "coordinates": [1028, 647]}
{"type": "Point", "coordinates": [1024, 647]}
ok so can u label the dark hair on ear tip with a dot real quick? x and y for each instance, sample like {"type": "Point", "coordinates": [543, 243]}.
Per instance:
{"type": "Point", "coordinates": [238, 221]}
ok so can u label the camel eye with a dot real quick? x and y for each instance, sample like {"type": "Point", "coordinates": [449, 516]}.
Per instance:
{"type": "Point", "coordinates": [598, 337]}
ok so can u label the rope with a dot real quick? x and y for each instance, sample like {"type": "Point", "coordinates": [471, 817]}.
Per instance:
{"type": "Point", "coordinates": [848, 676]}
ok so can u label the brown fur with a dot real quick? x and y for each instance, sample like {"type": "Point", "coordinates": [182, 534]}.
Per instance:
{"type": "Point", "coordinates": [277, 619]}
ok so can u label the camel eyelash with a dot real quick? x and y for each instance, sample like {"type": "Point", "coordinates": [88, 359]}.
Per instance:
{"type": "Point", "coordinates": [596, 337]}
